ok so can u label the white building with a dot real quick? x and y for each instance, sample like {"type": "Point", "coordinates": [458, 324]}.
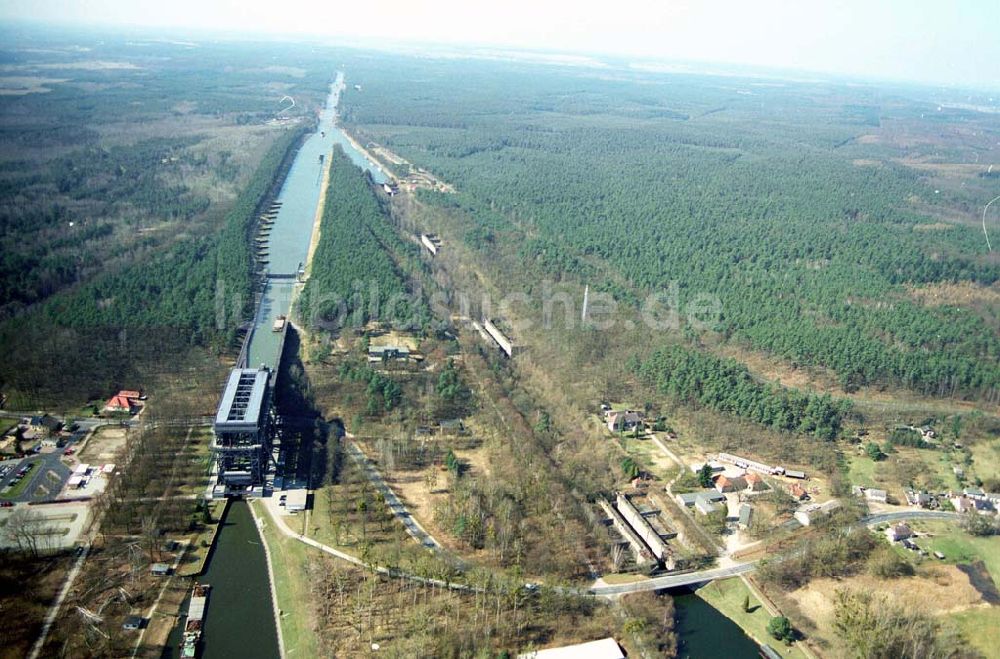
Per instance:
{"type": "Point", "coordinates": [606, 648]}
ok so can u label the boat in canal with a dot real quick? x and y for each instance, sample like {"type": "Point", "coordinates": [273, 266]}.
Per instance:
{"type": "Point", "coordinates": [195, 621]}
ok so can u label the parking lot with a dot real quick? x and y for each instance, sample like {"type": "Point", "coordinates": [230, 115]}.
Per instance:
{"type": "Point", "coordinates": [37, 477]}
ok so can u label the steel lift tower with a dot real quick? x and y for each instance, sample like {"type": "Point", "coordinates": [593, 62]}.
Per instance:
{"type": "Point", "coordinates": [242, 444]}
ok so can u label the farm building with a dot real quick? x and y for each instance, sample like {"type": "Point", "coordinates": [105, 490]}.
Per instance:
{"type": "Point", "coordinates": [807, 515]}
{"type": "Point", "coordinates": [730, 484]}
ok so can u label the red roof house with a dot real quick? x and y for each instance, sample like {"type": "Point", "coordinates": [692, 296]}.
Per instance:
{"type": "Point", "coordinates": [796, 491]}
{"type": "Point", "coordinates": [118, 403]}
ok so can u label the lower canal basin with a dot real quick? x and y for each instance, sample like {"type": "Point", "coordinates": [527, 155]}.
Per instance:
{"type": "Point", "coordinates": [239, 619]}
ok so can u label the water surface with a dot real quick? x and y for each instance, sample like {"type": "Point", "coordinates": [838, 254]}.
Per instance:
{"type": "Point", "coordinates": [704, 633]}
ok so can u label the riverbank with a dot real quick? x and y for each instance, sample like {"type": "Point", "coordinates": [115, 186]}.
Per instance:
{"type": "Point", "coordinates": [728, 596]}
{"type": "Point", "coordinates": [200, 543]}
{"type": "Point", "coordinates": [318, 218]}
{"type": "Point", "coordinates": [287, 559]}
{"type": "Point", "coordinates": [259, 521]}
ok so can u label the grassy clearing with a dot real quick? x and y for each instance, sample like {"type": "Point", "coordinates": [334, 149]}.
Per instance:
{"type": "Point", "coordinates": [981, 626]}
{"type": "Point", "coordinates": [986, 458]}
{"type": "Point", "coordinates": [288, 560]}
{"type": "Point", "coordinates": [728, 596]}
{"type": "Point", "coordinates": [861, 469]}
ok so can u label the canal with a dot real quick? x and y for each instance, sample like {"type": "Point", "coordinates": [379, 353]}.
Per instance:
{"type": "Point", "coordinates": [239, 621]}
{"type": "Point", "coordinates": [288, 244]}
{"type": "Point", "coordinates": [704, 633]}
{"type": "Point", "coordinates": [240, 618]}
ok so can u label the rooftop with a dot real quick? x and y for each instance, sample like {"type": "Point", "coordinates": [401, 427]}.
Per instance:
{"type": "Point", "coordinates": [606, 648]}
{"type": "Point", "coordinates": [243, 397]}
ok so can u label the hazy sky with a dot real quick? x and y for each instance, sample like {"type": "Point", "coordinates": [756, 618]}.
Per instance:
{"type": "Point", "coordinates": [956, 41]}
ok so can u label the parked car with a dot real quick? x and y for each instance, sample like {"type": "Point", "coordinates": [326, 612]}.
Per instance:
{"type": "Point", "coordinates": [6, 504]}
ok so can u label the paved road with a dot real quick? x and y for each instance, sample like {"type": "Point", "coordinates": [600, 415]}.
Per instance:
{"type": "Point", "coordinates": [882, 518]}
{"type": "Point", "coordinates": [397, 507]}
{"type": "Point", "coordinates": [690, 578]}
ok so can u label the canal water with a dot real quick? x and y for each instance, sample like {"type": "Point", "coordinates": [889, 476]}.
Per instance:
{"type": "Point", "coordinates": [239, 620]}
{"type": "Point", "coordinates": [704, 633]}
{"type": "Point", "coordinates": [288, 245]}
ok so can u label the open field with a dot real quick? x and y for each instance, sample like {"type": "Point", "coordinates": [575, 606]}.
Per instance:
{"type": "Point", "coordinates": [813, 605]}
{"type": "Point", "coordinates": [981, 626]}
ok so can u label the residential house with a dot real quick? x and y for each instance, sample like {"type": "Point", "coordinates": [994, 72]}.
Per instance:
{"type": "Point", "coordinates": [727, 484]}
{"type": "Point", "coordinates": [922, 499]}
{"type": "Point", "coordinates": [44, 425]}
{"type": "Point", "coordinates": [623, 420]}
{"type": "Point", "coordinates": [119, 404]}
{"type": "Point", "coordinates": [132, 623]}
{"type": "Point", "coordinates": [385, 353]}
{"type": "Point", "coordinates": [898, 532]}
{"type": "Point", "coordinates": [755, 482]}
{"type": "Point", "coordinates": [962, 505]}
{"type": "Point", "coordinates": [974, 492]}
{"type": "Point", "coordinates": [126, 400]}
{"type": "Point", "coordinates": [982, 506]}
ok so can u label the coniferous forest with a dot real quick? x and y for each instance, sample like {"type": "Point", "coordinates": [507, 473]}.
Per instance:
{"type": "Point", "coordinates": [793, 203]}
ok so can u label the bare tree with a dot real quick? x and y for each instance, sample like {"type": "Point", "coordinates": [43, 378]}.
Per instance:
{"type": "Point", "coordinates": [27, 529]}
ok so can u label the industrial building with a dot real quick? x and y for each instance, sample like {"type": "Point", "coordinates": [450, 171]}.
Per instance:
{"type": "Point", "coordinates": [505, 344]}
{"type": "Point", "coordinates": [242, 444]}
